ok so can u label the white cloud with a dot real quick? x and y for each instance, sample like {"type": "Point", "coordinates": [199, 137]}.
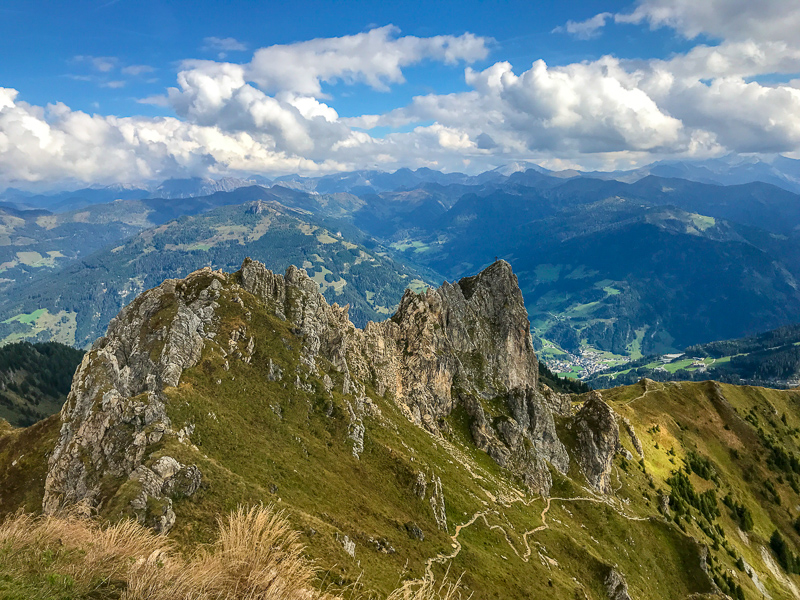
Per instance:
{"type": "Point", "coordinates": [113, 84]}
{"type": "Point", "coordinates": [731, 20]}
{"type": "Point", "coordinates": [156, 100]}
{"type": "Point", "coordinates": [270, 115]}
{"type": "Point", "coordinates": [103, 64]}
{"type": "Point", "coordinates": [228, 44]}
{"type": "Point", "coordinates": [55, 143]}
{"type": "Point", "coordinates": [375, 57]}
{"type": "Point", "coordinates": [587, 29]}
{"type": "Point", "coordinates": [734, 20]}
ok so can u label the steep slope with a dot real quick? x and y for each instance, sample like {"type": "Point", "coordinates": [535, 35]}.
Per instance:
{"type": "Point", "coordinates": [76, 304]}
{"type": "Point", "coordinates": [418, 444]}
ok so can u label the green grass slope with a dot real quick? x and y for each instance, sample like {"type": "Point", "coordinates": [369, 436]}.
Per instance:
{"type": "Point", "coordinates": [725, 455]}
{"type": "Point", "coordinates": [257, 440]}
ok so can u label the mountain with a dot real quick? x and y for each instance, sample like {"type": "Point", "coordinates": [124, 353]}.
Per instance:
{"type": "Point", "coordinates": [75, 304]}
{"type": "Point", "coordinates": [727, 256]}
{"type": "Point", "coordinates": [416, 447]}
{"type": "Point", "coordinates": [73, 200]}
{"type": "Point", "coordinates": [197, 186]}
{"type": "Point", "coordinates": [609, 274]}
{"type": "Point", "coordinates": [36, 243]}
{"type": "Point", "coordinates": [779, 171]}
{"type": "Point", "coordinates": [35, 380]}
{"type": "Point", "coordinates": [769, 359]}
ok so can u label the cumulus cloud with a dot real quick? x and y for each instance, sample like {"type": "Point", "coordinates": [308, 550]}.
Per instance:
{"type": "Point", "coordinates": [55, 143]}
{"type": "Point", "coordinates": [271, 115]}
{"type": "Point", "coordinates": [375, 57]}
{"type": "Point", "coordinates": [580, 108]}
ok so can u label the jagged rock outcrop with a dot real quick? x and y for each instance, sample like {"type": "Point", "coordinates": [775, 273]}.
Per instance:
{"type": "Point", "coordinates": [116, 408]}
{"type": "Point", "coordinates": [560, 404]}
{"type": "Point", "coordinates": [466, 343]}
{"type": "Point", "coordinates": [598, 441]}
{"type": "Point", "coordinates": [616, 586]}
{"type": "Point", "coordinates": [165, 480]}
{"type": "Point", "coordinates": [637, 443]}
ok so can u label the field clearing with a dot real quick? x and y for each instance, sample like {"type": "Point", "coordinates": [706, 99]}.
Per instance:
{"type": "Point", "coordinates": [678, 365]}
{"type": "Point", "coordinates": [406, 244]}
{"type": "Point", "coordinates": [319, 279]}
{"type": "Point", "coordinates": [325, 238]}
{"type": "Point", "coordinates": [636, 344]}
{"type": "Point", "coordinates": [61, 326]}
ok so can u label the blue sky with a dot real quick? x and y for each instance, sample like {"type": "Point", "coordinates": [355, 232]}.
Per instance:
{"type": "Point", "coordinates": [45, 37]}
{"type": "Point", "coordinates": [621, 83]}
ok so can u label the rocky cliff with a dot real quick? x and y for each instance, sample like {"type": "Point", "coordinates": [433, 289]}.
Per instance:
{"type": "Point", "coordinates": [466, 343]}
{"type": "Point", "coordinates": [408, 446]}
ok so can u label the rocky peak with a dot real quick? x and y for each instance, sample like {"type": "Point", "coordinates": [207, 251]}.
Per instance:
{"type": "Point", "coordinates": [465, 344]}
{"type": "Point", "coordinates": [598, 441]}
{"type": "Point", "coordinates": [116, 408]}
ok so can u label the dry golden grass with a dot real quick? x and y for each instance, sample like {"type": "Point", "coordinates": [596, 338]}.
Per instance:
{"type": "Point", "coordinates": [257, 556]}
{"type": "Point", "coordinates": [427, 589]}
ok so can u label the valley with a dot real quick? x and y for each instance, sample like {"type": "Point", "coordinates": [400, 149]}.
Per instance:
{"type": "Point", "coordinates": [702, 271]}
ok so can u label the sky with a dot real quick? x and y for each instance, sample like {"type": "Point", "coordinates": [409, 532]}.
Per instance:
{"type": "Point", "coordinates": [124, 91]}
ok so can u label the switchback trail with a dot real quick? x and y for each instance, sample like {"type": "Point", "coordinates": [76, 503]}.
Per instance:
{"type": "Point", "coordinates": [443, 558]}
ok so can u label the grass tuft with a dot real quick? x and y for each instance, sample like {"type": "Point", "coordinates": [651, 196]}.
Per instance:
{"type": "Point", "coordinates": [257, 556]}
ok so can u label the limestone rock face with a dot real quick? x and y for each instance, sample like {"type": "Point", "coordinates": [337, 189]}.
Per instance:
{"type": "Point", "coordinates": [598, 441]}
{"type": "Point", "coordinates": [115, 409]}
{"type": "Point", "coordinates": [616, 586]}
{"type": "Point", "coordinates": [466, 343]}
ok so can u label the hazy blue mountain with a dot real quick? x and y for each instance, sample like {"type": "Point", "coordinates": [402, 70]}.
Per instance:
{"type": "Point", "coordinates": [197, 186]}
{"type": "Point", "coordinates": [624, 275]}
{"type": "Point", "coordinates": [73, 200]}
{"type": "Point", "coordinates": [75, 304]}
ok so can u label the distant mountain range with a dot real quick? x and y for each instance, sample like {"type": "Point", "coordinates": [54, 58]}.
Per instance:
{"type": "Point", "coordinates": [607, 267]}
{"type": "Point", "coordinates": [780, 171]}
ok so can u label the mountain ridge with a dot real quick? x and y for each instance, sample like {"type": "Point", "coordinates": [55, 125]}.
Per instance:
{"type": "Point", "coordinates": [413, 444]}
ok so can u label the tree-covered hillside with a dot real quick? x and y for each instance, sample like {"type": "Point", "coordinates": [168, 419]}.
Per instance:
{"type": "Point", "coordinates": [76, 304]}
{"type": "Point", "coordinates": [770, 359]}
{"type": "Point", "coordinates": [35, 380]}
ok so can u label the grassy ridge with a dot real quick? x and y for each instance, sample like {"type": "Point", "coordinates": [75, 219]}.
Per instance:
{"type": "Point", "coordinates": [290, 441]}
